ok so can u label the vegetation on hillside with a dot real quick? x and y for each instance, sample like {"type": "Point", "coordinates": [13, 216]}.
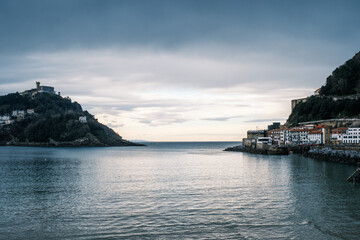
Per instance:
{"type": "Point", "coordinates": [56, 120]}
{"type": "Point", "coordinates": [319, 108]}
{"type": "Point", "coordinates": [344, 80]}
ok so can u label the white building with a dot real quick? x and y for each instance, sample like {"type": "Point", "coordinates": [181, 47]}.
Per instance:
{"type": "Point", "coordinates": [21, 113]}
{"type": "Point", "coordinates": [284, 135]}
{"type": "Point", "coordinates": [82, 119]}
{"type": "Point", "coordinates": [264, 140]}
{"type": "Point", "coordinates": [352, 135]}
{"type": "Point", "coordinates": [337, 134]}
{"type": "Point", "coordinates": [316, 136]}
{"type": "Point", "coordinates": [5, 117]}
{"type": "Point", "coordinates": [7, 122]}
{"type": "Point", "coordinates": [30, 111]}
{"type": "Point", "coordinates": [299, 135]}
{"type": "Point", "coordinates": [280, 136]}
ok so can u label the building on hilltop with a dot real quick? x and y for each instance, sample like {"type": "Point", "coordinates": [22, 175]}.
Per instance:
{"type": "Point", "coordinates": [40, 89]}
{"type": "Point", "coordinates": [295, 102]}
{"type": "Point", "coordinates": [44, 89]}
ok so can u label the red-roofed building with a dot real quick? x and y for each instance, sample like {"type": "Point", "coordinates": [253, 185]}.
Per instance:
{"type": "Point", "coordinates": [337, 134]}
{"type": "Point", "coordinates": [316, 136]}
{"type": "Point", "coordinates": [299, 135]}
{"type": "Point", "coordinates": [279, 136]}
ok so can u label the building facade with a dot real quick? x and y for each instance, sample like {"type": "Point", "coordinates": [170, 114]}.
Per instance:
{"type": "Point", "coordinates": [352, 136]}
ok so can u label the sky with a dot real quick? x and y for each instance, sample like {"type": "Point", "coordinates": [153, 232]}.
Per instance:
{"type": "Point", "coordinates": [198, 70]}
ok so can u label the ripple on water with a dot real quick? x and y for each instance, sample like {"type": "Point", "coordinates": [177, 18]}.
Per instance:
{"type": "Point", "coordinates": [172, 191]}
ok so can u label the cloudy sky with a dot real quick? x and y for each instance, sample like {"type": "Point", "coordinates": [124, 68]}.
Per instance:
{"type": "Point", "coordinates": [196, 70]}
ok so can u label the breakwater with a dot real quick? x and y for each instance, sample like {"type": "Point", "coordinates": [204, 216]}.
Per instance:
{"type": "Point", "coordinates": [265, 149]}
{"type": "Point", "coordinates": [350, 157]}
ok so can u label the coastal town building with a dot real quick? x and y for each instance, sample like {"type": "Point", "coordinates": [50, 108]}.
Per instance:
{"type": "Point", "coordinates": [256, 133]}
{"type": "Point", "coordinates": [307, 134]}
{"type": "Point", "coordinates": [275, 134]}
{"type": "Point", "coordinates": [337, 134]}
{"type": "Point", "coordinates": [82, 119]}
{"type": "Point", "coordinates": [4, 117]}
{"type": "Point", "coordinates": [299, 135]}
{"type": "Point", "coordinates": [352, 135]}
{"type": "Point", "coordinates": [15, 115]}
{"type": "Point", "coordinates": [263, 140]}
{"type": "Point", "coordinates": [18, 113]}
{"type": "Point", "coordinates": [279, 136]}
{"type": "Point", "coordinates": [285, 135]}
{"type": "Point", "coordinates": [7, 122]}
{"type": "Point", "coordinates": [30, 111]}
{"type": "Point", "coordinates": [275, 125]}
{"type": "Point", "coordinates": [316, 136]}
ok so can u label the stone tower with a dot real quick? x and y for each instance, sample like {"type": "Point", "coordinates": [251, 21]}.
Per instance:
{"type": "Point", "coordinates": [38, 86]}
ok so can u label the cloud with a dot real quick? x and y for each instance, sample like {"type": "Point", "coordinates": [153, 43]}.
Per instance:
{"type": "Point", "coordinates": [78, 72]}
{"type": "Point", "coordinates": [161, 118]}
{"type": "Point", "coordinates": [183, 68]}
{"type": "Point", "coordinates": [268, 120]}
{"type": "Point", "coordinates": [48, 25]}
{"type": "Point", "coordinates": [221, 119]}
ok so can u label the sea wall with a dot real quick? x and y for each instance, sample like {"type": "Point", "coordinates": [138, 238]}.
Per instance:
{"type": "Point", "coordinates": [265, 149]}
{"type": "Point", "coordinates": [350, 157]}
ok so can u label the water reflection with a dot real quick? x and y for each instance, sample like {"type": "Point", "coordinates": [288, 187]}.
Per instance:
{"type": "Point", "coordinates": [322, 197]}
{"type": "Point", "coordinates": [172, 191]}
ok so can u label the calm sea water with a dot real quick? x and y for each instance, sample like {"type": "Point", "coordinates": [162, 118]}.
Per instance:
{"type": "Point", "coordinates": [173, 191]}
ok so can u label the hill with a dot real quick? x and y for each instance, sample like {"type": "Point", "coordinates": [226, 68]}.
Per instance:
{"type": "Point", "coordinates": [338, 98]}
{"type": "Point", "coordinates": [344, 80]}
{"type": "Point", "coordinates": [45, 119]}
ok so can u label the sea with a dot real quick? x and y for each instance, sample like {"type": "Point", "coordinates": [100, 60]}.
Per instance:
{"type": "Point", "coordinates": [173, 190]}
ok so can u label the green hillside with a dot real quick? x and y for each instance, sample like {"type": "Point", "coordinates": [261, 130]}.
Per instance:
{"type": "Point", "coordinates": [323, 107]}
{"type": "Point", "coordinates": [339, 97]}
{"type": "Point", "coordinates": [344, 80]}
{"type": "Point", "coordinates": [55, 122]}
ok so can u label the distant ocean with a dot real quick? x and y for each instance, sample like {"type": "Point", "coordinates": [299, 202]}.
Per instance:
{"type": "Point", "coordinates": [173, 191]}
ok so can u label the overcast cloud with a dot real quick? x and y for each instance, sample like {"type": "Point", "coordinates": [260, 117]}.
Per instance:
{"type": "Point", "coordinates": [177, 70]}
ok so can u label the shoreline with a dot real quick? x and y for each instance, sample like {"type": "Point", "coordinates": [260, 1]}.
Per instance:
{"type": "Point", "coordinates": [265, 150]}
{"type": "Point", "coordinates": [326, 153]}
{"type": "Point", "coordinates": [67, 144]}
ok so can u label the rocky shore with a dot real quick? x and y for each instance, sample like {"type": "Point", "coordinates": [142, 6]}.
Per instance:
{"type": "Point", "coordinates": [267, 150]}
{"type": "Point", "coordinates": [350, 157]}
